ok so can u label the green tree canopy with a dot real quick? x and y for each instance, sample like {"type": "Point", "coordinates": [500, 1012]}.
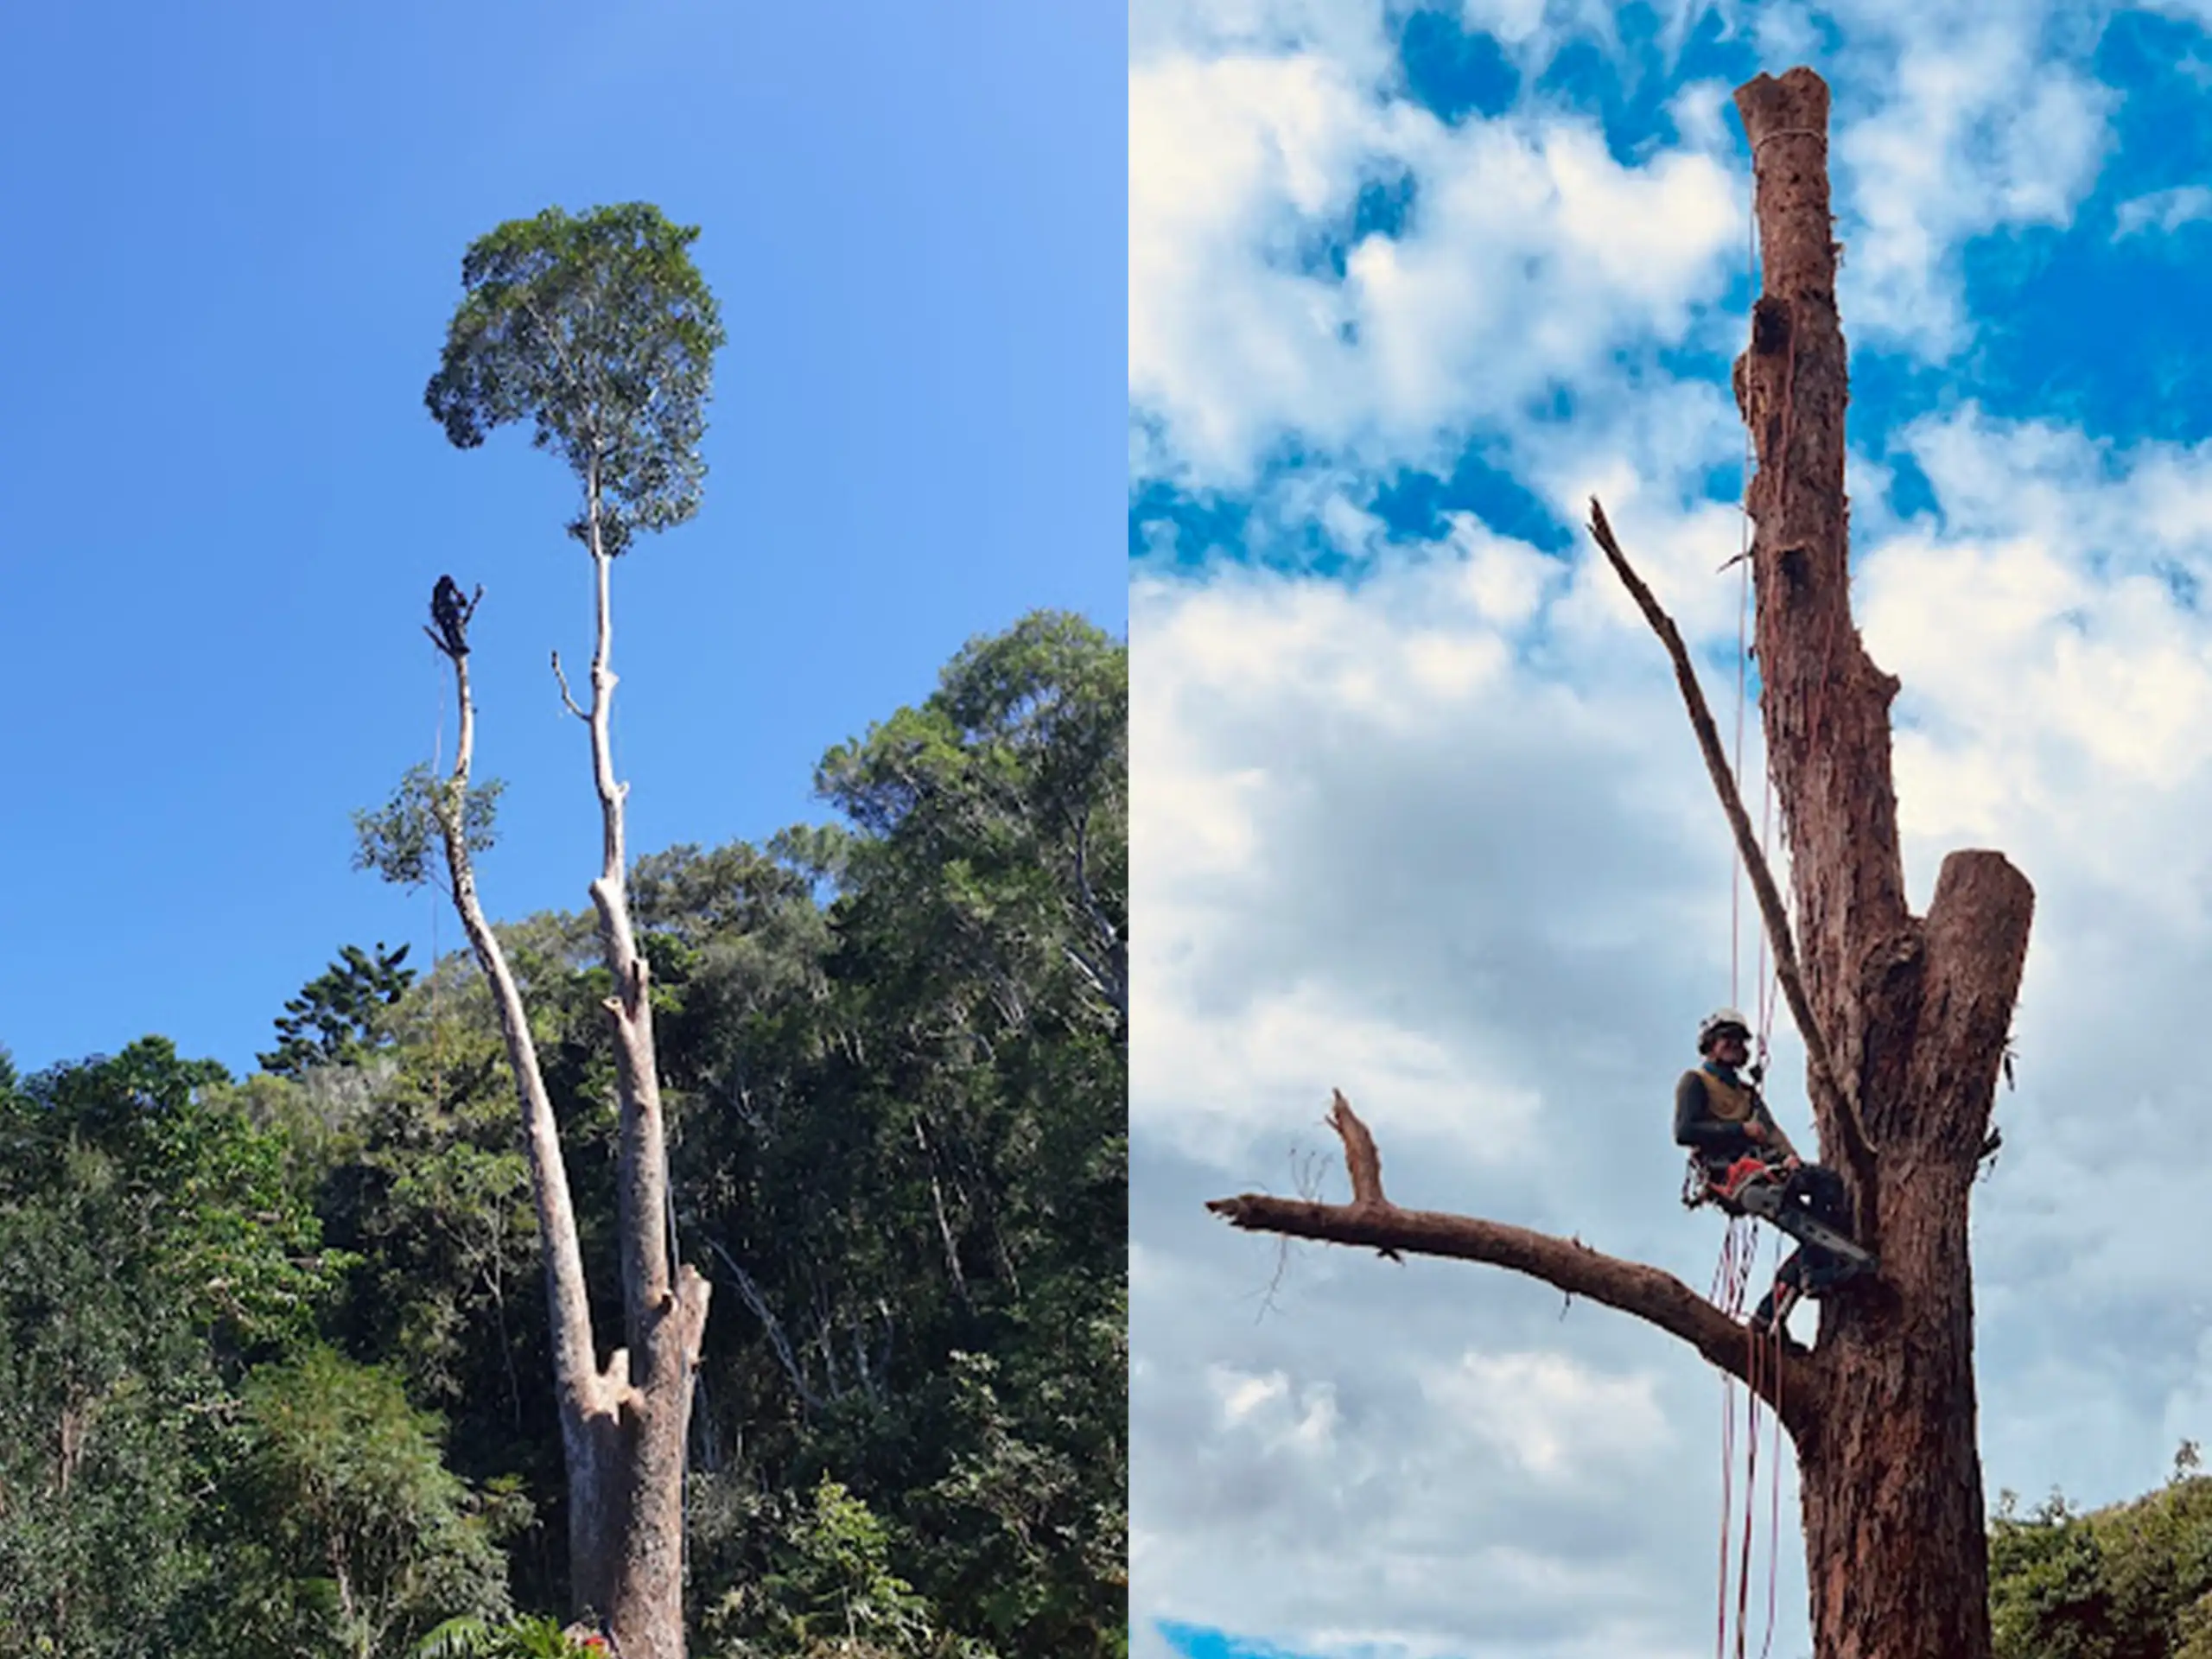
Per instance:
{"type": "Point", "coordinates": [340, 1016]}
{"type": "Point", "coordinates": [2133, 1581]}
{"type": "Point", "coordinates": [600, 331]}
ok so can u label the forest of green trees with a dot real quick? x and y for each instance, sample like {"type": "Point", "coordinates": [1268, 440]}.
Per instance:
{"type": "Point", "coordinates": [273, 1367]}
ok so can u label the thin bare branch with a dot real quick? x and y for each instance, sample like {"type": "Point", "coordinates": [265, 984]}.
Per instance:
{"type": "Point", "coordinates": [1858, 1150]}
{"type": "Point", "coordinates": [573, 1372]}
{"type": "Point", "coordinates": [776, 1340]}
{"type": "Point", "coordinates": [584, 715]}
{"type": "Point", "coordinates": [1792, 1386]}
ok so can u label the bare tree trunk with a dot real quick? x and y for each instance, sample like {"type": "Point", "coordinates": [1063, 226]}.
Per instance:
{"type": "Point", "coordinates": [664, 1313]}
{"type": "Point", "coordinates": [587, 1398]}
{"type": "Point", "coordinates": [1910, 1014]}
{"type": "Point", "coordinates": [1917, 1011]}
{"type": "Point", "coordinates": [623, 1428]}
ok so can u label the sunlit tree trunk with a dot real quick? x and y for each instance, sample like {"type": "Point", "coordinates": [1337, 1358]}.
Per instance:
{"type": "Point", "coordinates": [624, 1425]}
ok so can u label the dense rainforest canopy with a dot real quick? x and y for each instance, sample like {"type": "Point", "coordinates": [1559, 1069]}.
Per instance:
{"type": "Point", "coordinates": [273, 1376]}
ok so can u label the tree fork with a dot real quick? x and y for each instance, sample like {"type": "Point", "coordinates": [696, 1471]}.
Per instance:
{"type": "Point", "coordinates": [553, 307]}
{"type": "Point", "coordinates": [588, 1399]}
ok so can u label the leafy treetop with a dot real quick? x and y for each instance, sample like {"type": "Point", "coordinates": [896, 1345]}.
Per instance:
{"type": "Point", "coordinates": [601, 330]}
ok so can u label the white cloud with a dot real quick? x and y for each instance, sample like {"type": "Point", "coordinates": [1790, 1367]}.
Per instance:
{"type": "Point", "coordinates": [1974, 129]}
{"type": "Point", "coordinates": [2166, 211]}
{"type": "Point", "coordinates": [1534, 262]}
{"type": "Point", "coordinates": [1553, 1416]}
{"type": "Point", "coordinates": [2059, 683]}
{"type": "Point", "coordinates": [1532, 258]}
{"type": "Point", "coordinates": [1490, 907]}
{"type": "Point", "coordinates": [1300, 1422]}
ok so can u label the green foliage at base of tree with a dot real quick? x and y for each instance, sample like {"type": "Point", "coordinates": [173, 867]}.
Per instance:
{"type": "Point", "coordinates": [274, 1373]}
{"type": "Point", "coordinates": [533, 1637]}
{"type": "Point", "coordinates": [829, 1591]}
{"type": "Point", "coordinates": [2132, 1582]}
{"type": "Point", "coordinates": [182, 1468]}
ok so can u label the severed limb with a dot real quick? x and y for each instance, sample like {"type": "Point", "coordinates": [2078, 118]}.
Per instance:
{"type": "Point", "coordinates": [1792, 1386]}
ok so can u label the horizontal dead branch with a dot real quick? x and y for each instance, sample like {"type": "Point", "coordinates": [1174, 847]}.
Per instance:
{"type": "Point", "coordinates": [1656, 1297]}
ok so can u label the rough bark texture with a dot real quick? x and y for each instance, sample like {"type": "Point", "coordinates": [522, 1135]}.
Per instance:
{"type": "Point", "coordinates": [1915, 1012]}
{"type": "Point", "coordinates": [623, 1427]}
{"type": "Point", "coordinates": [1572, 1266]}
{"type": "Point", "coordinates": [581, 1391]}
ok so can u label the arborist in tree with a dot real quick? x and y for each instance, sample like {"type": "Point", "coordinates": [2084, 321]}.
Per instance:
{"type": "Point", "coordinates": [1741, 1159]}
{"type": "Point", "coordinates": [450, 612]}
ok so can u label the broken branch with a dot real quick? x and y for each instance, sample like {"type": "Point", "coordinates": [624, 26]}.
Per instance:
{"type": "Point", "coordinates": [581, 713]}
{"type": "Point", "coordinates": [1858, 1150]}
{"type": "Point", "coordinates": [1659, 1299]}
{"type": "Point", "coordinates": [1361, 1159]}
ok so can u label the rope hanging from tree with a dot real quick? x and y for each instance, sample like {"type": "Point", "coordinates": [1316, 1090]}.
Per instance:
{"type": "Point", "coordinates": [1739, 1245]}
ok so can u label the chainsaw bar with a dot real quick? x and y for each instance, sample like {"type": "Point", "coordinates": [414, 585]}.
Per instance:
{"type": "Point", "coordinates": [1764, 1199]}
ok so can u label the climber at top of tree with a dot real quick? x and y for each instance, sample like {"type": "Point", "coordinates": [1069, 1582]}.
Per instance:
{"type": "Point", "coordinates": [1744, 1162]}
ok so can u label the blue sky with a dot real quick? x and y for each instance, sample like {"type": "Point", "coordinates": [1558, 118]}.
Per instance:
{"type": "Point", "coordinates": [1418, 816]}
{"type": "Point", "coordinates": [2072, 321]}
{"type": "Point", "coordinates": [238, 239]}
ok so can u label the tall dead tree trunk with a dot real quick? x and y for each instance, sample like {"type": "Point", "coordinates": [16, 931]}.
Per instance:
{"type": "Point", "coordinates": [665, 1310]}
{"type": "Point", "coordinates": [623, 1425]}
{"type": "Point", "coordinates": [1905, 1018]}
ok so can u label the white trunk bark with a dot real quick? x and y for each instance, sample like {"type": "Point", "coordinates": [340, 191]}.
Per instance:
{"type": "Point", "coordinates": [623, 1427]}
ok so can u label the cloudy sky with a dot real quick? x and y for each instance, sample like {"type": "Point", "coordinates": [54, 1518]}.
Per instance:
{"type": "Point", "coordinates": [1418, 817]}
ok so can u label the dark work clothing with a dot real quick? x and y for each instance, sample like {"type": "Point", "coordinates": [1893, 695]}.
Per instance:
{"type": "Point", "coordinates": [1712, 1105]}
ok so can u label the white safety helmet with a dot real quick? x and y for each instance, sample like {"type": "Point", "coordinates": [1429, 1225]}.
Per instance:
{"type": "Point", "coordinates": [1718, 1021]}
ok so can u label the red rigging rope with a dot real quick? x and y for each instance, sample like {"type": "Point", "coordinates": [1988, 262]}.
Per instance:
{"type": "Point", "coordinates": [1736, 873]}
{"type": "Point", "coordinates": [1740, 1246]}
{"type": "Point", "coordinates": [1738, 1255]}
{"type": "Point", "coordinates": [1729, 1277]}
{"type": "Point", "coordinates": [1774, 1509]}
{"type": "Point", "coordinates": [1750, 1483]}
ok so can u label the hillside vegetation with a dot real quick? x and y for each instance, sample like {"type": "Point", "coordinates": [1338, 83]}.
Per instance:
{"type": "Point", "coordinates": [273, 1371]}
